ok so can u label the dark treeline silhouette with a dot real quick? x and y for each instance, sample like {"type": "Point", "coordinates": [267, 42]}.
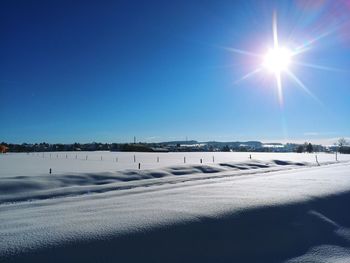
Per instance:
{"type": "Point", "coordinates": [343, 146]}
{"type": "Point", "coordinates": [310, 148]}
{"type": "Point", "coordinates": [344, 149]}
{"type": "Point", "coordinates": [175, 146]}
{"type": "Point", "coordinates": [95, 146]}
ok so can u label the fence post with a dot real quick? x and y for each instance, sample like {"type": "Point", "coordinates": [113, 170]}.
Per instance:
{"type": "Point", "coordinates": [139, 166]}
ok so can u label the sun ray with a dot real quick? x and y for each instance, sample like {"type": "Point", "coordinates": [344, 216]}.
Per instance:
{"type": "Point", "coordinates": [309, 65]}
{"type": "Point", "coordinates": [301, 85]}
{"type": "Point", "coordinates": [250, 74]}
{"type": "Point", "coordinates": [306, 46]}
{"type": "Point", "coordinates": [279, 88]}
{"type": "Point", "coordinates": [279, 57]}
{"type": "Point", "coordinates": [274, 30]}
{"type": "Point", "coordinates": [241, 51]}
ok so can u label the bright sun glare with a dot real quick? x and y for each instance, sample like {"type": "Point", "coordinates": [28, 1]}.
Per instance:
{"type": "Point", "coordinates": [277, 60]}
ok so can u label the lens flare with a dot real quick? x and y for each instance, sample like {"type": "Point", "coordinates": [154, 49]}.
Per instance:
{"type": "Point", "coordinates": [277, 60]}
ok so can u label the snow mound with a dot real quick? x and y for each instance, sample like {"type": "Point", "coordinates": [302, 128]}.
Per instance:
{"type": "Point", "coordinates": [24, 188]}
{"type": "Point", "coordinates": [273, 211]}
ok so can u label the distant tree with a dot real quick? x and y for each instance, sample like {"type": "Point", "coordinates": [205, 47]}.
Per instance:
{"type": "Point", "coordinates": [242, 149]}
{"type": "Point", "coordinates": [305, 146]}
{"type": "Point", "coordinates": [300, 149]}
{"type": "Point", "coordinates": [115, 147]}
{"type": "Point", "coordinates": [309, 148]}
{"type": "Point", "coordinates": [342, 142]}
{"type": "Point", "coordinates": [342, 146]}
{"type": "Point", "coordinates": [60, 147]}
{"type": "Point", "coordinates": [226, 148]}
{"type": "Point", "coordinates": [345, 149]}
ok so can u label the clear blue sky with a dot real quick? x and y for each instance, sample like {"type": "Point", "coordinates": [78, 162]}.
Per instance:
{"type": "Point", "coordinates": [160, 70]}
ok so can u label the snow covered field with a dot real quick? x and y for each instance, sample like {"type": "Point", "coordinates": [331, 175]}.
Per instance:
{"type": "Point", "coordinates": [23, 164]}
{"type": "Point", "coordinates": [273, 208]}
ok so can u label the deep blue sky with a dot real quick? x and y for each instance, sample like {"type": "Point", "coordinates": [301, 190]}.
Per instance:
{"type": "Point", "coordinates": [109, 70]}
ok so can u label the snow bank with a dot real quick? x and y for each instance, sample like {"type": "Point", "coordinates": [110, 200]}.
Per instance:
{"type": "Point", "coordinates": [29, 188]}
{"type": "Point", "coordinates": [251, 211]}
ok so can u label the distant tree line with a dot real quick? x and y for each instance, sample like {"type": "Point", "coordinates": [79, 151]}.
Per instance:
{"type": "Point", "coordinates": [306, 147]}
{"type": "Point", "coordinates": [343, 146]}
{"type": "Point", "coordinates": [58, 147]}
{"type": "Point", "coordinates": [191, 146]}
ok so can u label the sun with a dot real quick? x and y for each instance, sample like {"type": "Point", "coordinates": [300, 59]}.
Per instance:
{"type": "Point", "coordinates": [277, 60]}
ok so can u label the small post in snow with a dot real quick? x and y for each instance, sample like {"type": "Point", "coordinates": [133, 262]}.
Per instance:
{"type": "Point", "coordinates": [134, 158]}
{"type": "Point", "coordinates": [213, 159]}
{"type": "Point", "coordinates": [250, 156]}
{"type": "Point", "coordinates": [201, 160]}
{"type": "Point", "coordinates": [116, 159]}
{"type": "Point", "coordinates": [317, 160]}
{"type": "Point", "coordinates": [101, 157]}
{"type": "Point", "coordinates": [50, 171]}
{"type": "Point", "coordinates": [184, 159]}
{"type": "Point", "coordinates": [139, 166]}
{"type": "Point", "coordinates": [86, 157]}
{"type": "Point", "coordinates": [336, 156]}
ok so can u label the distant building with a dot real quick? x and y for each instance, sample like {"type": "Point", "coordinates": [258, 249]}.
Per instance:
{"type": "Point", "coordinates": [3, 148]}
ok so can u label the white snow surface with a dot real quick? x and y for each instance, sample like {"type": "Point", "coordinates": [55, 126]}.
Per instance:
{"type": "Point", "coordinates": [273, 208]}
{"type": "Point", "coordinates": [23, 164]}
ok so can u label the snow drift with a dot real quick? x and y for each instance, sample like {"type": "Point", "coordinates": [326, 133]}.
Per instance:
{"type": "Point", "coordinates": [24, 188]}
{"type": "Point", "coordinates": [253, 211]}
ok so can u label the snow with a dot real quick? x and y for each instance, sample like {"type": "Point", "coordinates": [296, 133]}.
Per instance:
{"type": "Point", "coordinates": [23, 164]}
{"type": "Point", "coordinates": [273, 208]}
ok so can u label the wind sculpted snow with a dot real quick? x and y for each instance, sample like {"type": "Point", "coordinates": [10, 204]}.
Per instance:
{"type": "Point", "coordinates": [29, 188]}
{"type": "Point", "coordinates": [253, 211]}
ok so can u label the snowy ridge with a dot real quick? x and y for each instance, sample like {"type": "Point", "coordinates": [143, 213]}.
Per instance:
{"type": "Point", "coordinates": [275, 212]}
{"type": "Point", "coordinates": [29, 188]}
